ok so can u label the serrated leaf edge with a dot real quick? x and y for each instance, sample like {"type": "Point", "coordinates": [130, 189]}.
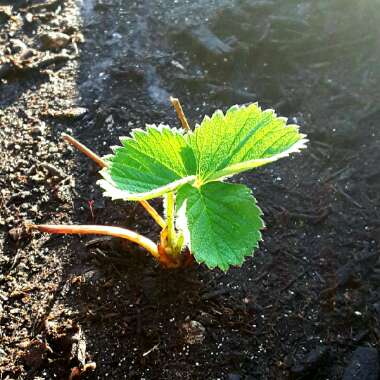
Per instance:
{"type": "Point", "coordinates": [160, 128]}
{"type": "Point", "coordinates": [114, 193]}
{"type": "Point", "coordinates": [182, 225]}
{"type": "Point", "coordinates": [231, 170]}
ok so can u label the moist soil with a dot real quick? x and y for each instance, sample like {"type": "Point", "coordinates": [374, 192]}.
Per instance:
{"type": "Point", "coordinates": [95, 308]}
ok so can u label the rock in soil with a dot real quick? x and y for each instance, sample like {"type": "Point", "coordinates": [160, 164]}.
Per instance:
{"type": "Point", "coordinates": [207, 42]}
{"type": "Point", "coordinates": [69, 113]}
{"type": "Point", "coordinates": [312, 361]}
{"type": "Point", "coordinates": [194, 332]}
{"type": "Point", "coordinates": [36, 355]}
{"type": "Point", "coordinates": [364, 365]}
{"type": "Point", "coordinates": [233, 376]}
{"type": "Point", "coordinates": [5, 13]}
{"type": "Point", "coordinates": [54, 40]}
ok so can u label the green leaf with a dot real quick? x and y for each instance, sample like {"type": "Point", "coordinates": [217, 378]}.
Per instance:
{"type": "Point", "coordinates": [221, 222]}
{"type": "Point", "coordinates": [242, 139]}
{"type": "Point", "coordinates": [149, 164]}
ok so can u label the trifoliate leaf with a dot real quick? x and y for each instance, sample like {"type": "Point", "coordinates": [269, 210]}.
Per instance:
{"type": "Point", "coordinates": [221, 222]}
{"type": "Point", "coordinates": [243, 138]}
{"type": "Point", "coordinates": [149, 164]}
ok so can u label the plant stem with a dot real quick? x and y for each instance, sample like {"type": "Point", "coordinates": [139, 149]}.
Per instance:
{"type": "Point", "coordinates": [100, 162]}
{"type": "Point", "coordinates": [181, 116]}
{"type": "Point", "coordinates": [100, 230]}
{"type": "Point", "coordinates": [153, 213]}
{"type": "Point", "coordinates": [82, 148]}
{"type": "Point", "coordinates": [170, 219]}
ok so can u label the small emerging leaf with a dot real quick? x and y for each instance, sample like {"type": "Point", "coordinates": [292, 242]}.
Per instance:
{"type": "Point", "coordinates": [242, 139]}
{"type": "Point", "coordinates": [222, 220]}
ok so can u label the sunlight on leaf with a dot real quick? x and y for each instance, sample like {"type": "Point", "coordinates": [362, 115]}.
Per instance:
{"type": "Point", "coordinates": [149, 164]}
{"type": "Point", "coordinates": [244, 138]}
{"type": "Point", "coordinates": [222, 222]}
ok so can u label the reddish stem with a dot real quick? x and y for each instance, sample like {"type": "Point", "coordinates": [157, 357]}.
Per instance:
{"type": "Point", "coordinates": [181, 115]}
{"type": "Point", "coordinates": [100, 230]}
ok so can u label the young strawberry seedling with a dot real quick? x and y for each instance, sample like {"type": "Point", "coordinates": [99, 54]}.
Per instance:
{"type": "Point", "coordinates": [218, 222]}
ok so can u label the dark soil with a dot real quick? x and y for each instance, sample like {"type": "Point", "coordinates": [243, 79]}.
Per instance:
{"type": "Point", "coordinates": [304, 303]}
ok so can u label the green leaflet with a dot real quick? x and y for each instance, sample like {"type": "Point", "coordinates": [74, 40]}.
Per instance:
{"type": "Point", "coordinates": [244, 138]}
{"type": "Point", "coordinates": [221, 221]}
{"type": "Point", "coordinates": [149, 164]}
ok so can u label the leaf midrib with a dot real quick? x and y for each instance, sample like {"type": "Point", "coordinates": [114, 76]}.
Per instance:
{"type": "Point", "coordinates": [245, 140]}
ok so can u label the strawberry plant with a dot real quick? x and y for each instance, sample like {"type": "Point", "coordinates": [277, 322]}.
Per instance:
{"type": "Point", "coordinates": [216, 222]}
